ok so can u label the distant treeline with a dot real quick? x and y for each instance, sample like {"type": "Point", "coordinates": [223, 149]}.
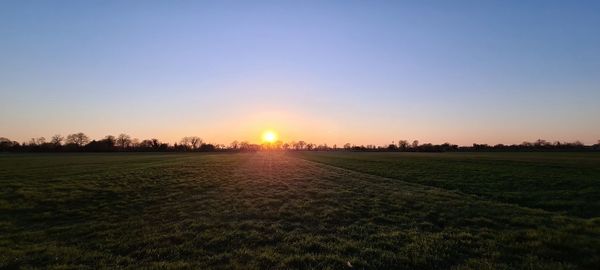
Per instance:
{"type": "Point", "coordinates": [79, 142]}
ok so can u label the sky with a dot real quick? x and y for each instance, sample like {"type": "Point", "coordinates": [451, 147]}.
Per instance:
{"type": "Point", "coordinates": [364, 72]}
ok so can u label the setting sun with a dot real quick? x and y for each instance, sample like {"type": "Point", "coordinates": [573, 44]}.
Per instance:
{"type": "Point", "coordinates": [269, 136]}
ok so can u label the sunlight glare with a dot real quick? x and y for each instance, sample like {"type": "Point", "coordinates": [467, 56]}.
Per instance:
{"type": "Point", "coordinates": [269, 136]}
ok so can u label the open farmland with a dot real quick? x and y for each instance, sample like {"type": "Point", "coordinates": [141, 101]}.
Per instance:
{"type": "Point", "coordinates": [273, 210]}
{"type": "Point", "coordinates": [568, 183]}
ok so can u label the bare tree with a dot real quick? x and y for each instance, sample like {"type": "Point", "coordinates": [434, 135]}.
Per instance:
{"type": "Point", "coordinates": [220, 146]}
{"type": "Point", "coordinates": [244, 145]}
{"type": "Point", "coordinates": [146, 144]}
{"type": "Point", "coordinates": [155, 143]}
{"type": "Point", "coordinates": [37, 141]}
{"type": "Point", "coordinates": [123, 140]}
{"type": "Point", "coordinates": [185, 142]}
{"type": "Point", "coordinates": [402, 144]}
{"type": "Point", "coordinates": [415, 144]}
{"type": "Point", "coordinates": [234, 145]}
{"type": "Point", "coordinates": [195, 142]}
{"type": "Point", "coordinates": [135, 142]}
{"type": "Point", "coordinates": [192, 142]}
{"type": "Point", "coordinates": [301, 144]}
{"type": "Point", "coordinates": [57, 139]}
{"type": "Point", "coordinates": [78, 139]}
{"type": "Point", "coordinates": [32, 142]}
{"type": "Point", "coordinates": [310, 146]}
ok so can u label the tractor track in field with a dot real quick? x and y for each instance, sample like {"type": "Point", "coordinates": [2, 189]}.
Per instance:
{"type": "Point", "coordinates": [422, 186]}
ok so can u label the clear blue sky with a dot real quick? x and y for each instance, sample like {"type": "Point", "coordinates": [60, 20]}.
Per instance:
{"type": "Point", "coordinates": [323, 71]}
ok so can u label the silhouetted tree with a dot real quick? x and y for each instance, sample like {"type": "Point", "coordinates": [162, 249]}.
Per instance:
{"type": "Point", "coordinates": [234, 145]}
{"type": "Point", "coordinates": [220, 147]}
{"type": "Point", "coordinates": [78, 139]}
{"type": "Point", "coordinates": [192, 142]}
{"type": "Point", "coordinates": [207, 147]}
{"type": "Point", "coordinates": [57, 139]}
{"type": "Point", "coordinates": [135, 142]}
{"type": "Point", "coordinates": [557, 143]}
{"type": "Point", "coordinates": [403, 144]}
{"type": "Point", "coordinates": [110, 139]}
{"type": "Point", "coordinates": [301, 144]}
{"type": "Point", "coordinates": [415, 144]}
{"type": "Point", "coordinates": [6, 144]}
{"type": "Point", "coordinates": [146, 144]}
{"type": "Point", "coordinates": [244, 145]}
{"type": "Point", "coordinates": [156, 144]}
{"type": "Point", "coordinates": [541, 143]}
{"type": "Point", "coordinates": [80, 142]}
{"type": "Point", "coordinates": [184, 142]}
{"type": "Point", "coordinates": [123, 141]}
{"type": "Point", "coordinates": [105, 145]}
{"type": "Point", "coordinates": [37, 141]}
{"type": "Point", "coordinates": [309, 146]}
{"type": "Point", "coordinates": [195, 142]}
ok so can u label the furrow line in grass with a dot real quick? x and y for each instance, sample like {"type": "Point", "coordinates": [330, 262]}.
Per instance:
{"type": "Point", "coordinates": [457, 192]}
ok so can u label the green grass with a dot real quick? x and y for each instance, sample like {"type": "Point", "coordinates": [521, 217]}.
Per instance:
{"type": "Point", "coordinates": [561, 182]}
{"type": "Point", "coordinates": [274, 211]}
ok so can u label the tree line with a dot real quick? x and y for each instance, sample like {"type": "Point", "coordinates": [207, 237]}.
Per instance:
{"type": "Point", "coordinates": [80, 142]}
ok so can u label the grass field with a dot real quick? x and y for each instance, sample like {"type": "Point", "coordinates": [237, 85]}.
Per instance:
{"type": "Point", "coordinates": [561, 182]}
{"type": "Point", "coordinates": [306, 210]}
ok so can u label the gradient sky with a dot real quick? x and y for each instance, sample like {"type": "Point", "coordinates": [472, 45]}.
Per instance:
{"type": "Point", "coordinates": [366, 72]}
